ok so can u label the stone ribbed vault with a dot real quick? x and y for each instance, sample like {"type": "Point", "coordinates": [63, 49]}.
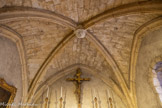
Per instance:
{"type": "Point", "coordinates": [43, 31]}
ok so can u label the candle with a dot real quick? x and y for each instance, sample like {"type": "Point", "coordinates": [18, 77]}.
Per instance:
{"type": "Point", "coordinates": [111, 95]}
{"type": "Point", "coordinates": [47, 91]}
{"type": "Point", "coordinates": [108, 93]}
{"type": "Point", "coordinates": [61, 91]}
{"type": "Point", "coordinates": [94, 92]}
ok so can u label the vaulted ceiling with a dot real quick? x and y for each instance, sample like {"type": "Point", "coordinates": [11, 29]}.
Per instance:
{"type": "Point", "coordinates": [44, 31]}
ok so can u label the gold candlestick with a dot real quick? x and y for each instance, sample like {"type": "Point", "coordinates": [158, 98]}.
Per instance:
{"type": "Point", "coordinates": [46, 102]}
{"type": "Point", "coordinates": [110, 101]}
{"type": "Point", "coordinates": [61, 99]}
{"type": "Point", "coordinates": [79, 105]}
{"type": "Point", "coordinates": [95, 99]}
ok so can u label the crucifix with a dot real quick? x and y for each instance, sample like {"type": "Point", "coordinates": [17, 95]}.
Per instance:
{"type": "Point", "coordinates": [78, 81]}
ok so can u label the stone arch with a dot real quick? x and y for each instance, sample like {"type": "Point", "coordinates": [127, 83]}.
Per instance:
{"type": "Point", "coordinates": [105, 54]}
{"type": "Point", "coordinates": [137, 40]}
{"type": "Point", "coordinates": [146, 7]}
{"type": "Point", "coordinates": [71, 69]}
{"type": "Point", "coordinates": [16, 38]}
{"type": "Point", "coordinates": [15, 13]}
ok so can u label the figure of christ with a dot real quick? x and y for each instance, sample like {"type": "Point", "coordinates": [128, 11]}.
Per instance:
{"type": "Point", "coordinates": [78, 83]}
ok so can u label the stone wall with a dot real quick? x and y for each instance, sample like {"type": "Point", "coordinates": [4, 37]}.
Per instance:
{"type": "Point", "coordinates": [10, 67]}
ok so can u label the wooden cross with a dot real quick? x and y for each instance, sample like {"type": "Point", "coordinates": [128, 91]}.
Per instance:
{"type": "Point", "coordinates": [78, 81]}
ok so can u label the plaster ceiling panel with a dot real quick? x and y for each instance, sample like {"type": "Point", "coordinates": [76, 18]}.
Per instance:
{"type": "Point", "coordinates": [117, 34]}
{"type": "Point", "coordinates": [39, 39]}
{"type": "Point", "coordinates": [78, 10]}
{"type": "Point", "coordinates": [79, 51]}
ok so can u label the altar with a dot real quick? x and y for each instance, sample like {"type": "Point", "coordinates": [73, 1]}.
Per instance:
{"type": "Point", "coordinates": [79, 90]}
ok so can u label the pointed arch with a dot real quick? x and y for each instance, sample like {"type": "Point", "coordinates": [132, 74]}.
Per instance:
{"type": "Point", "coordinates": [137, 7]}
{"type": "Point", "coordinates": [114, 66]}
{"type": "Point", "coordinates": [69, 70]}
{"type": "Point", "coordinates": [15, 13]}
{"type": "Point", "coordinates": [16, 38]}
{"type": "Point", "coordinates": [33, 86]}
{"type": "Point", "coordinates": [138, 36]}
{"type": "Point", "coordinates": [146, 7]}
